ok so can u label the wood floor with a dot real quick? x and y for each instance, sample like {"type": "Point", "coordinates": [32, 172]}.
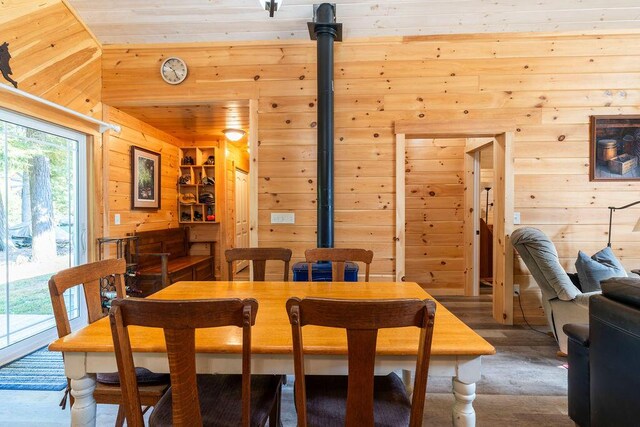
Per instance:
{"type": "Point", "coordinates": [524, 384]}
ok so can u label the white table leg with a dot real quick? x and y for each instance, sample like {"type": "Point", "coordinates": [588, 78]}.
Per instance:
{"type": "Point", "coordinates": [463, 413]}
{"type": "Point", "coordinates": [83, 411]}
{"type": "Point", "coordinates": [464, 390]}
{"type": "Point", "coordinates": [407, 379]}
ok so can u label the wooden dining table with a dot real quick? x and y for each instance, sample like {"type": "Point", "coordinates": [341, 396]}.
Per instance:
{"type": "Point", "coordinates": [456, 349]}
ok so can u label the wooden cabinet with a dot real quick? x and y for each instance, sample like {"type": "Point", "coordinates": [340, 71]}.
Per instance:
{"type": "Point", "coordinates": [196, 186]}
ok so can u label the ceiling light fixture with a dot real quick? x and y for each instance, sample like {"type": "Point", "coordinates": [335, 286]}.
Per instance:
{"type": "Point", "coordinates": [233, 134]}
{"type": "Point", "coordinates": [271, 5]}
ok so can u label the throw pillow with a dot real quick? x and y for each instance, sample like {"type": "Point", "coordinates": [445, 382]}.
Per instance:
{"type": "Point", "coordinates": [601, 266]}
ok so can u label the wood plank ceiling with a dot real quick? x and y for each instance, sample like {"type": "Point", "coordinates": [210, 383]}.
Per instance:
{"type": "Point", "coordinates": [195, 122]}
{"type": "Point", "coordinates": [168, 21]}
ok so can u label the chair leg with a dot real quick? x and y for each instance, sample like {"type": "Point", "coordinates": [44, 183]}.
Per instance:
{"type": "Point", "coordinates": [274, 416]}
{"type": "Point", "coordinates": [120, 416]}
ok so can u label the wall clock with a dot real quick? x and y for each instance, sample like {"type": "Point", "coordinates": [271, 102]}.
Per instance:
{"type": "Point", "coordinates": [173, 70]}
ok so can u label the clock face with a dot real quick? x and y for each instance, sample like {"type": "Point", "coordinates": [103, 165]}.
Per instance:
{"type": "Point", "coordinates": [173, 70]}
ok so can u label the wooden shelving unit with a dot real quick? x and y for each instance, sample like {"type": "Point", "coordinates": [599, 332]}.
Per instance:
{"type": "Point", "coordinates": [190, 192]}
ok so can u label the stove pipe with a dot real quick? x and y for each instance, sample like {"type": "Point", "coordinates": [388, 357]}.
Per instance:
{"type": "Point", "coordinates": [325, 30]}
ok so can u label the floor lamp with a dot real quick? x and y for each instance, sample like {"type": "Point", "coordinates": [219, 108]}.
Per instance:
{"type": "Point", "coordinates": [611, 209]}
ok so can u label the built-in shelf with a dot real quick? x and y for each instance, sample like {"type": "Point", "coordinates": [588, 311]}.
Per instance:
{"type": "Point", "coordinates": [200, 157]}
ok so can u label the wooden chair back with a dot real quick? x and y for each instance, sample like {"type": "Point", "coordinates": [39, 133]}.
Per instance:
{"type": "Point", "coordinates": [259, 258]}
{"type": "Point", "coordinates": [338, 258]}
{"type": "Point", "coordinates": [362, 319]}
{"type": "Point", "coordinates": [89, 276]}
{"type": "Point", "coordinates": [179, 320]}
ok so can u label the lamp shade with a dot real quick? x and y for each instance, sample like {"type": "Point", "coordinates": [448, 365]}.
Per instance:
{"type": "Point", "coordinates": [233, 134]}
{"type": "Point", "coordinates": [637, 227]}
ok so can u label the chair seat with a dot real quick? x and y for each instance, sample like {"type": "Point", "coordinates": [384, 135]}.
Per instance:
{"type": "Point", "coordinates": [144, 377]}
{"type": "Point", "coordinates": [327, 401]}
{"type": "Point", "coordinates": [221, 400]}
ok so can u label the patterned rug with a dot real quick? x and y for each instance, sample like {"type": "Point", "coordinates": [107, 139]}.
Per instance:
{"type": "Point", "coordinates": [40, 370]}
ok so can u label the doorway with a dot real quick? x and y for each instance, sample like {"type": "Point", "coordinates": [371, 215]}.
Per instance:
{"type": "Point", "coordinates": [478, 134]}
{"type": "Point", "coordinates": [242, 215]}
{"type": "Point", "coordinates": [479, 204]}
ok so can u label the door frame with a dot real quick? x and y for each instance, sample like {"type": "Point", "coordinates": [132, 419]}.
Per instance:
{"type": "Point", "coordinates": [253, 178]}
{"type": "Point", "coordinates": [471, 220]}
{"type": "Point", "coordinates": [240, 265]}
{"type": "Point", "coordinates": [483, 132]}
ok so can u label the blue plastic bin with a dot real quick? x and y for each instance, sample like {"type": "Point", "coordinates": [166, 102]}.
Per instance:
{"type": "Point", "coordinates": [322, 272]}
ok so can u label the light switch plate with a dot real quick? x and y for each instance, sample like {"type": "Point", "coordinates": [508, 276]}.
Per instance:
{"type": "Point", "coordinates": [516, 218]}
{"type": "Point", "coordinates": [116, 219]}
{"type": "Point", "coordinates": [283, 218]}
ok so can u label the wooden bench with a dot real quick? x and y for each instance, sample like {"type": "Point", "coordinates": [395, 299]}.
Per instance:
{"type": "Point", "coordinates": [163, 258]}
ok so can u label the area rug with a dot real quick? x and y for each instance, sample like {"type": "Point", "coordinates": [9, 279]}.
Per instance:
{"type": "Point", "coordinates": [40, 370]}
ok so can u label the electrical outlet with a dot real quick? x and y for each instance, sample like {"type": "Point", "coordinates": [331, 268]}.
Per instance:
{"type": "Point", "coordinates": [283, 218]}
{"type": "Point", "coordinates": [116, 219]}
{"type": "Point", "coordinates": [516, 289]}
{"type": "Point", "coordinates": [516, 218]}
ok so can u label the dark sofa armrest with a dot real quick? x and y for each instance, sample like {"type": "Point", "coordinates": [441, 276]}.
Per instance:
{"type": "Point", "coordinates": [578, 377]}
{"type": "Point", "coordinates": [579, 332]}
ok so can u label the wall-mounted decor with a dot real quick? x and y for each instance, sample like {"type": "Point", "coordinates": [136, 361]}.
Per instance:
{"type": "Point", "coordinates": [145, 179]}
{"type": "Point", "coordinates": [615, 148]}
{"type": "Point", "coordinates": [5, 68]}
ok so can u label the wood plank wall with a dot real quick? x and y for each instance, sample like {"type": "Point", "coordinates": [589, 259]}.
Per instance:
{"type": "Point", "coordinates": [434, 189]}
{"type": "Point", "coordinates": [54, 57]}
{"type": "Point", "coordinates": [117, 166]}
{"type": "Point", "coordinates": [546, 85]}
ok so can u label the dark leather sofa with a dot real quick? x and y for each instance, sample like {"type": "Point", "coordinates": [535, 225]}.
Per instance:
{"type": "Point", "coordinates": [604, 358]}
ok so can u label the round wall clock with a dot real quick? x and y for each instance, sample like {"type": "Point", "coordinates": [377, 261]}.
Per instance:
{"type": "Point", "coordinates": [173, 70]}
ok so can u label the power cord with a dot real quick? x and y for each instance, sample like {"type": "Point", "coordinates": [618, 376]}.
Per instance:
{"type": "Point", "coordinates": [525, 318]}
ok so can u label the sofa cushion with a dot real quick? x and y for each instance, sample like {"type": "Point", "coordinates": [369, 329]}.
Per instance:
{"type": "Point", "coordinates": [602, 265]}
{"type": "Point", "coordinates": [625, 290]}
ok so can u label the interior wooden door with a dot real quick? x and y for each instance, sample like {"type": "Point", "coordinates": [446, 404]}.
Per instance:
{"type": "Point", "coordinates": [242, 214]}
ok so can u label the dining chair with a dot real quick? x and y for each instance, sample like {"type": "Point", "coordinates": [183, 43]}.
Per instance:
{"type": "Point", "coordinates": [258, 258]}
{"type": "Point", "coordinates": [338, 258]}
{"type": "Point", "coordinates": [360, 398]}
{"type": "Point", "coordinates": [90, 275]}
{"type": "Point", "coordinates": [194, 400]}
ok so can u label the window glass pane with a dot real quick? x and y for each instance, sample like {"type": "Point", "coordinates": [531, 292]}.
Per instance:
{"type": "Point", "coordinates": [38, 222]}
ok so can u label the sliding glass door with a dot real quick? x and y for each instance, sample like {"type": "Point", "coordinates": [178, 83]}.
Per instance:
{"type": "Point", "coordinates": [42, 225]}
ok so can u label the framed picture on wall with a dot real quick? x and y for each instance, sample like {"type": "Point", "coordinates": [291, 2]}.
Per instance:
{"type": "Point", "coordinates": [145, 179]}
{"type": "Point", "coordinates": [614, 148]}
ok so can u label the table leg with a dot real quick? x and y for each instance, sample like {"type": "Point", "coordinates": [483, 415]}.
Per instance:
{"type": "Point", "coordinates": [463, 413]}
{"type": "Point", "coordinates": [407, 379]}
{"type": "Point", "coordinates": [464, 391]}
{"type": "Point", "coordinates": [83, 411]}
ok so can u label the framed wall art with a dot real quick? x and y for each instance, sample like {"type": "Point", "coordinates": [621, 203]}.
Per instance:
{"type": "Point", "coordinates": [614, 148]}
{"type": "Point", "coordinates": [145, 179]}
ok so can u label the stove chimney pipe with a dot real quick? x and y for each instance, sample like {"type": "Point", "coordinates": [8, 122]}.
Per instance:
{"type": "Point", "coordinates": [325, 30]}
